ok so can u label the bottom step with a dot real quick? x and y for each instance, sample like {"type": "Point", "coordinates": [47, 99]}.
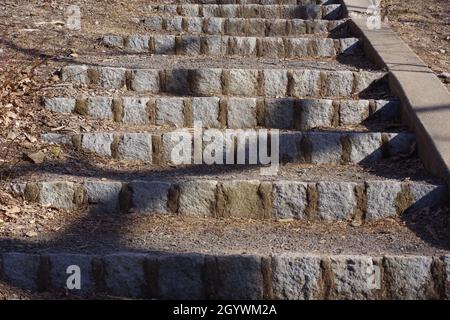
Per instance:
{"type": "Point", "coordinates": [187, 258]}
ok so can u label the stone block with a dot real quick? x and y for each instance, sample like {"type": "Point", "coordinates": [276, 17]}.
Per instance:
{"type": "Point", "coordinates": [279, 113]}
{"type": "Point", "coordinates": [100, 107]}
{"type": "Point", "coordinates": [427, 195]}
{"type": "Point", "coordinates": [61, 105]}
{"type": "Point", "coordinates": [297, 27]}
{"type": "Point", "coordinates": [214, 26]}
{"type": "Point", "coordinates": [103, 196]}
{"type": "Point", "coordinates": [154, 23]}
{"type": "Point", "coordinates": [206, 110]}
{"type": "Point", "coordinates": [409, 278]}
{"type": "Point", "coordinates": [337, 200]}
{"type": "Point", "coordinates": [112, 77]}
{"type": "Point", "coordinates": [207, 82]}
{"type": "Point", "coordinates": [169, 111]}
{"type": "Point", "coordinates": [296, 277]}
{"type": "Point", "coordinates": [99, 143]}
{"type": "Point", "coordinates": [58, 194]}
{"type": "Point", "coordinates": [135, 110]}
{"type": "Point", "coordinates": [193, 24]}
{"type": "Point", "coordinates": [240, 199]}
{"type": "Point", "coordinates": [355, 278]}
{"type": "Point", "coordinates": [21, 270]}
{"type": "Point", "coordinates": [234, 277]}
{"type": "Point", "coordinates": [242, 46]}
{"type": "Point", "coordinates": [315, 113]}
{"type": "Point", "coordinates": [297, 47]}
{"type": "Point", "coordinates": [113, 41]}
{"type": "Point", "coordinates": [323, 47]}
{"type": "Point", "coordinates": [198, 198]}
{"type": "Point", "coordinates": [305, 83]}
{"type": "Point", "coordinates": [275, 83]}
{"type": "Point", "coordinates": [326, 148]}
{"type": "Point", "coordinates": [135, 147]}
{"type": "Point", "coordinates": [178, 81]}
{"type": "Point", "coordinates": [243, 82]}
{"type": "Point", "coordinates": [387, 110]}
{"type": "Point", "coordinates": [124, 275]}
{"type": "Point", "coordinates": [365, 79]}
{"type": "Point", "coordinates": [382, 199]}
{"type": "Point", "coordinates": [290, 200]}
{"type": "Point", "coordinates": [164, 44]}
{"type": "Point", "coordinates": [338, 84]}
{"type": "Point", "coordinates": [145, 80]}
{"type": "Point", "coordinates": [290, 147]}
{"type": "Point", "coordinates": [181, 277]}
{"type": "Point", "coordinates": [241, 113]}
{"type": "Point", "coordinates": [76, 74]}
{"type": "Point", "coordinates": [138, 43]}
{"type": "Point", "coordinates": [191, 45]}
{"type": "Point", "coordinates": [349, 45]}
{"type": "Point", "coordinates": [273, 48]}
{"type": "Point", "coordinates": [365, 147]}
{"type": "Point", "coordinates": [276, 28]}
{"type": "Point", "coordinates": [353, 112]}
{"type": "Point", "coordinates": [174, 24]}
{"type": "Point", "coordinates": [149, 197]}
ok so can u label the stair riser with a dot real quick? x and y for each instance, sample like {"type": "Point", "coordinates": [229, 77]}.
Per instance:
{"type": "Point", "coordinates": [232, 82]}
{"type": "Point", "coordinates": [249, 199]}
{"type": "Point", "coordinates": [246, 27]}
{"type": "Point", "coordinates": [310, 11]}
{"type": "Point", "coordinates": [198, 276]}
{"type": "Point", "coordinates": [179, 147]}
{"type": "Point", "coordinates": [219, 46]}
{"type": "Point", "coordinates": [232, 113]}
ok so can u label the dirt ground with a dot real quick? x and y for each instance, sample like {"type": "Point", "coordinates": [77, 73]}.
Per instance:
{"type": "Point", "coordinates": [425, 26]}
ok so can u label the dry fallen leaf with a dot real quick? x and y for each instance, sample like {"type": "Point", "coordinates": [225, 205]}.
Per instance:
{"type": "Point", "coordinates": [13, 210]}
{"type": "Point", "coordinates": [31, 234]}
{"type": "Point", "coordinates": [35, 157]}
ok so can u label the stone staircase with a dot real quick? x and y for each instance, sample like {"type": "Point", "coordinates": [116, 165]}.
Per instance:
{"type": "Point", "coordinates": [290, 72]}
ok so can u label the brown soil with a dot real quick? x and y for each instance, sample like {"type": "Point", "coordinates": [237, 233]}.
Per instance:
{"type": "Point", "coordinates": [425, 26]}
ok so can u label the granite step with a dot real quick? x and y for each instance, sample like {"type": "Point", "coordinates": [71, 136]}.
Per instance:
{"type": "Point", "coordinates": [269, 47]}
{"type": "Point", "coordinates": [233, 82]}
{"type": "Point", "coordinates": [231, 113]}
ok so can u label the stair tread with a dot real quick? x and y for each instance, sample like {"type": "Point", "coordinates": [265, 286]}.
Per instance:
{"type": "Point", "coordinates": [83, 169]}
{"type": "Point", "coordinates": [144, 234]}
{"type": "Point", "coordinates": [355, 63]}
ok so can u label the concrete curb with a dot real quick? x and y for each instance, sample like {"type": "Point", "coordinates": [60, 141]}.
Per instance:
{"type": "Point", "coordinates": [215, 112]}
{"type": "Point", "coordinates": [192, 276]}
{"type": "Point", "coordinates": [176, 147]}
{"type": "Point", "coordinates": [425, 100]}
{"type": "Point", "coordinates": [325, 201]}
{"type": "Point", "coordinates": [230, 82]}
{"type": "Point", "coordinates": [219, 46]}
